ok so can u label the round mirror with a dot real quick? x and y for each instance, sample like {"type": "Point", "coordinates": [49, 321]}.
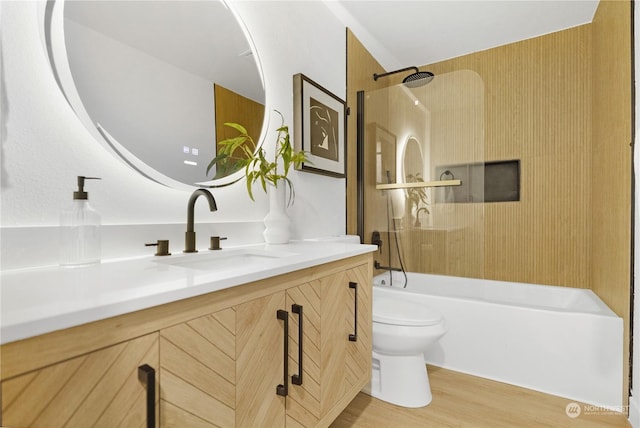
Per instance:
{"type": "Point", "coordinates": [416, 198]}
{"type": "Point", "coordinates": [412, 161]}
{"type": "Point", "coordinates": [155, 81]}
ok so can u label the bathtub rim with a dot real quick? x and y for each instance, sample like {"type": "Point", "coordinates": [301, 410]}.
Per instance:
{"type": "Point", "coordinates": [603, 309]}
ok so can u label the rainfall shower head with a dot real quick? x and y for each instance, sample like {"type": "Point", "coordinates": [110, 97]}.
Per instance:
{"type": "Point", "coordinates": [418, 79]}
{"type": "Point", "coordinates": [414, 80]}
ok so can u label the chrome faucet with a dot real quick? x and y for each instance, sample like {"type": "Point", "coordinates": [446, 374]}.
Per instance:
{"type": "Point", "coordinates": [190, 235]}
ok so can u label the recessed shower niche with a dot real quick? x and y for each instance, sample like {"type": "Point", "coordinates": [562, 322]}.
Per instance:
{"type": "Point", "coordinates": [497, 181]}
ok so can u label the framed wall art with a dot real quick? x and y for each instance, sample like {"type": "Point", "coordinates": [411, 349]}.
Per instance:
{"type": "Point", "coordinates": [319, 127]}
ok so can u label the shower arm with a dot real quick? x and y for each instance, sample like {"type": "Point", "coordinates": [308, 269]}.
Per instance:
{"type": "Point", "coordinates": [376, 75]}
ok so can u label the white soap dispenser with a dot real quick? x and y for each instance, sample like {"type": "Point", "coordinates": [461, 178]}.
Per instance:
{"type": "Point", "coordinates": [80, 230]}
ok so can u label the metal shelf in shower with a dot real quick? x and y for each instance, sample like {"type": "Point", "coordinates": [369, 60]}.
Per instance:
{"type": "Point", "coordinates": [438, 183]}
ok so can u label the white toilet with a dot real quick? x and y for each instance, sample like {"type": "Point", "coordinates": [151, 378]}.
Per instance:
{"type": "Point", "coordinates": [403, 328]}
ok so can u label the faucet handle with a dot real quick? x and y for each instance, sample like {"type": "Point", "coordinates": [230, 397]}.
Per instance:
{"type": "Point", "coordinates": [215, 242]}
{"type": "Point", "coordinates": [163, 247]}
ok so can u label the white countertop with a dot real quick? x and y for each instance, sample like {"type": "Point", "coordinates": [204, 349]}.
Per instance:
{"type": "Point", "coordinates": [41, 300]}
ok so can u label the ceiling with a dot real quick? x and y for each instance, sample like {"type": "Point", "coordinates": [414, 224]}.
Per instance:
{"type": "Point", "coordinates": [402, 33]}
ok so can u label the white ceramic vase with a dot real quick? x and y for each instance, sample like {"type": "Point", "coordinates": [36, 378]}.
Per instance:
{"type": "Point", "coordinates": [277, 222]}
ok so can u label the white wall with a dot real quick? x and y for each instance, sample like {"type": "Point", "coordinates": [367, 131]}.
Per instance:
{"type": "Point", "coordinates": [302, 37]}
{"type": "Point", "coordinates": [44, 146]}
{"type": "Point", "coordinates": [152, 107]}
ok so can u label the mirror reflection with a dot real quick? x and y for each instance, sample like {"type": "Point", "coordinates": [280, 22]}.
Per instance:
{"type": "Point", "coordinates": [412, 162]}
{"type": "Point", "coordinates": [160, 78]}
{"type": "Point", "coordinates": [416, 198]}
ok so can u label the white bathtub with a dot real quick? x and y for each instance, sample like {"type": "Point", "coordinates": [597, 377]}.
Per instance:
{"type": "Point", "coordinates": [558, 340]}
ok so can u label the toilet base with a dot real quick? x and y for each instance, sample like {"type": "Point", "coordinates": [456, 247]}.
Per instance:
{"type": "Point", "coordinates": [400, 379]}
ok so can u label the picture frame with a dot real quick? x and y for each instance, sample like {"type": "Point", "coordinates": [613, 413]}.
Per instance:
{"type": "Point", "coordinates": [319, 120]}
{"type": "Point", "coordinates": [385, 144]}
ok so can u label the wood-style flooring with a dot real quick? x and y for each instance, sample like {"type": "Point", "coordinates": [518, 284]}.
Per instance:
{"type": "Point", "coordinates": [461, 400]}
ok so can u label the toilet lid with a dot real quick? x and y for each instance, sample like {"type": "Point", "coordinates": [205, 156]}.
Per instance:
{"type": "Point", "coordinates": [404, 312]}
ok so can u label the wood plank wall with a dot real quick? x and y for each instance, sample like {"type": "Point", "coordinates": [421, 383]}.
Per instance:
{"type": "Point", "coordinates": [612, 155]}
{"type": "Point", "coordinates": [611, 178]}
{"type": "Point", "coordinates": [538, 109]}
{"type": "Point", "coordinates": [233, 107]}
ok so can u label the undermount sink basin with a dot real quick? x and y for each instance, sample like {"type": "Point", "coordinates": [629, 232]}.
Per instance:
{"type": "Point", "coordinates": [224, 259]}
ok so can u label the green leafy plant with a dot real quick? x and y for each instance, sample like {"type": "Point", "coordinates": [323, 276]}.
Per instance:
{"type": "Point", "coordinates": [417, 196]}
{"type": "Point", "coordinates": [241, 152]}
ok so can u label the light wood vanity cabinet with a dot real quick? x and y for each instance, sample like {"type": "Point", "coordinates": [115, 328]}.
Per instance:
{"type": "Point", "coordinates": [99, 389]}
{"type": "Point", "coordinates": [226, 369]}
{"type": "Point", "coordinates": [220, 358]}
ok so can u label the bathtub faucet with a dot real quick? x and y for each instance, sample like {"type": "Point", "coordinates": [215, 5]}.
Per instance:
{"type": "Point", "coordinates": [376, 265]}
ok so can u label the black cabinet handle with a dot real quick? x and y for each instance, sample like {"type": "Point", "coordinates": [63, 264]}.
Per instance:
{"type": "Point", "coordinates": [284, 388]}
{"type": "Point", "coordinates": [354, 337]}
{"type": "Point", "coordinates": [296, 379]}
{"type": "Point", "coordinates": [147, 375]}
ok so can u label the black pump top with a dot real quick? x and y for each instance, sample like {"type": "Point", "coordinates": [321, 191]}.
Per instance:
{"type": "Point", "coordinates": [80, 193]}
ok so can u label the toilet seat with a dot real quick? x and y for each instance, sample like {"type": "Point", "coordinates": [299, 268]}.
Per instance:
{"type": "Point", "coordinates": [404, 312]}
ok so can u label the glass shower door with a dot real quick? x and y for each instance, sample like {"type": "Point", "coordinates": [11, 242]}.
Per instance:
{"type": "Point", "coordinates": [422, 175]}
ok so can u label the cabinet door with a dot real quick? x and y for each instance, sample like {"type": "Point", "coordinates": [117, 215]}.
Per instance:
{"type": "Point", "coordinates": [197, 372]}
{"type": "Point", "coordinates": [334, 337]}
{"type": "Point", "coordinates": [345, 349]}
{"type": "Point", "coordinates": [99, 389]}
{"type": "Point", "coordinates": [303, 401]}
{"type": "Point", "coordinates": [260, 338]}
{"type": "Point", "coordinates": [358, 356]}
